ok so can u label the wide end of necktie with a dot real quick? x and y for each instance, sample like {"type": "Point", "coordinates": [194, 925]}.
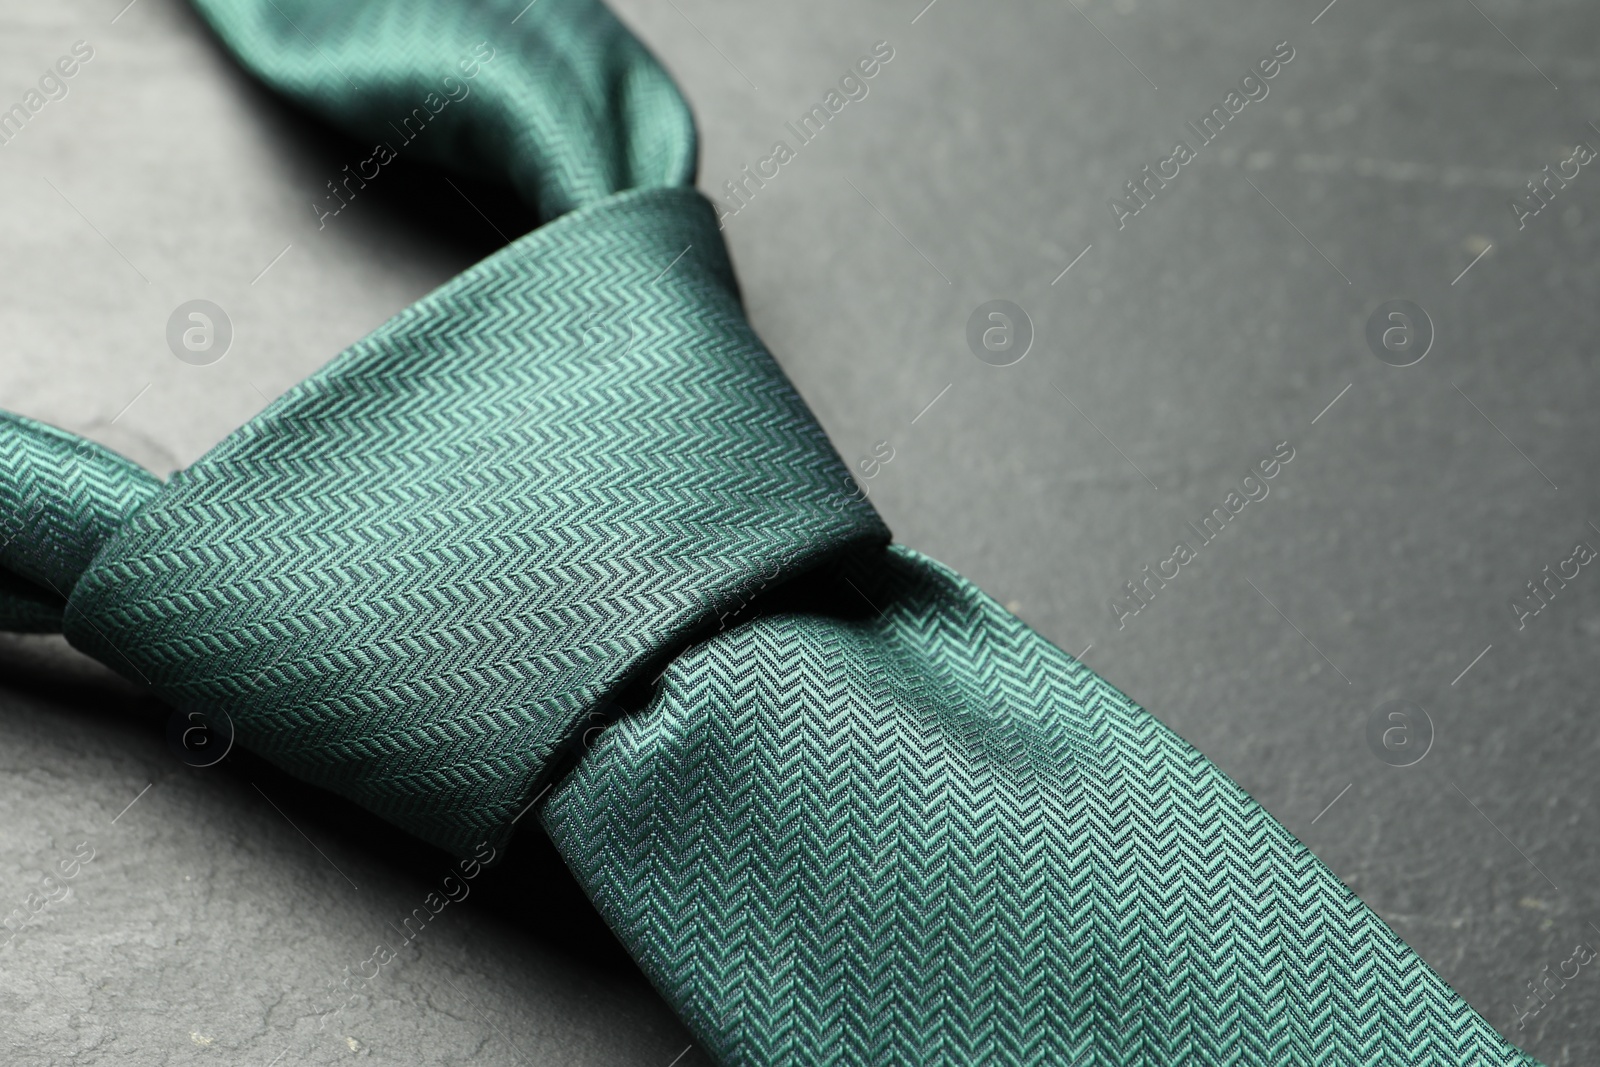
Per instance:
{"type": "Point", "coordinates": [888, 823]}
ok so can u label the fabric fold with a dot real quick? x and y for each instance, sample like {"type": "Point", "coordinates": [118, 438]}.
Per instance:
{"type": "Point", "coordinates": [61, 498]}
{"type": "Point", "coordinates": [556, 99]}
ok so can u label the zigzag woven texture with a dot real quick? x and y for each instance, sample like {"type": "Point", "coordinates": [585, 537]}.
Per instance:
{"type": "Point", "coordinates": [61, 496]}
{"type": "Point", "coordinates": [411, 576]}
{"type": "Point", "coordinates": [927, 836]}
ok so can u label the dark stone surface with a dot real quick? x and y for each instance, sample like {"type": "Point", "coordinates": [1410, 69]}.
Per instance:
{"type": "Point", "coordinates": [1221, 320]}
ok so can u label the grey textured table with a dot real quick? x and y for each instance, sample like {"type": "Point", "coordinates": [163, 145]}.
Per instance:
{"type": "Point", "coordinates": [1170, 354]}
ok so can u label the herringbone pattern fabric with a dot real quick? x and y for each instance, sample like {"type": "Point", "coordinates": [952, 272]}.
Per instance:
{"type": "Point", "coordinates": [564, 521]}
{"type": "Point", "coordinates": [61, 497]}
{"type": "Point", "coordinates": [411, 576]}
{"type": "Point", "coordinates": [918, 833]}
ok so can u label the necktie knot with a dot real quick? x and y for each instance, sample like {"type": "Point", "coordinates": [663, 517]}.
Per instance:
{"type": "Point", "coordinates": [413, 578]}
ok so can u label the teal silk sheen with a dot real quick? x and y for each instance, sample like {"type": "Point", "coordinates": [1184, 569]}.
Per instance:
{"type": "Point", "coordinates": [416, 574]}
{"type": "Point", "coordinates": [563, 530]}
{"type": "Point", "coordinates": [569, 109]}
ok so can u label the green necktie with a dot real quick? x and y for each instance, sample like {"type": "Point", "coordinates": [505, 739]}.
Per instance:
{"type": "Point", "coordinates": [562, 534]}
